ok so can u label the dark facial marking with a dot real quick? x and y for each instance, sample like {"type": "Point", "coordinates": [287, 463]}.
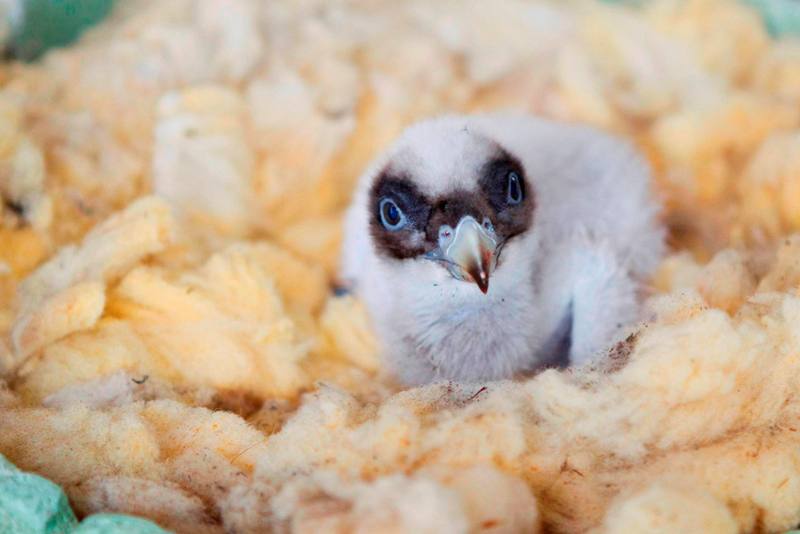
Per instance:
{"type": "Point", "coordinates": [456, 205]}
{"type": "Point", "coordinates": [509, 219]}
{"type": "Point", "coordinates": [401, 243]}
{"type": "Point", "coordinates": [425, 216]}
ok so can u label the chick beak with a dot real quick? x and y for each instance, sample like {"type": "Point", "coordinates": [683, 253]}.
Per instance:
{"type": "Point", "coordinates": [472, 251]}
{"type": "Point", "coordinates": [479, 272]}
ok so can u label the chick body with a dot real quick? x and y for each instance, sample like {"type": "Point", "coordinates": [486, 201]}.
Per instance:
{"type": "Point", "coordinates": [562, 290]}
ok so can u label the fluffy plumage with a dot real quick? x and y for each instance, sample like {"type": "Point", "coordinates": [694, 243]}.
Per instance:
{"type": "Point", "coordinates": [565, 286]}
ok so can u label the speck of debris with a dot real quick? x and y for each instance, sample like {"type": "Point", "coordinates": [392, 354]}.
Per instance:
{"type": "Point", "coordinates": [477, 393]}
{"type": "Point", "coordinates": [619, 354]}
{"type": "Point", "coordinates": [16, 207]}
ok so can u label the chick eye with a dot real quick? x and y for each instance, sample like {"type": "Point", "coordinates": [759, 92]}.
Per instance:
{"type": "Point", "coordinates": [392, 217]}
{"type": "Point", "coordinates": [514, 189]}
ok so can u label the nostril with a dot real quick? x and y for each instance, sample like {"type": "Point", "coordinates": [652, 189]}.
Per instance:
{"type": "Point", "coordinates": [445, 232]}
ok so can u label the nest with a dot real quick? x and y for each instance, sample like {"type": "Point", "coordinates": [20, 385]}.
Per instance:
{"type": "Point", "coordinates": [172, 189]}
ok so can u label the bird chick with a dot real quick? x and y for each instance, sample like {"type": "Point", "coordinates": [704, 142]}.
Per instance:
{"type": "Point", "coordinates": [488, 246]}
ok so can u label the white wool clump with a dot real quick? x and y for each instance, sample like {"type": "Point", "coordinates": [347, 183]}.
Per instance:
{"type": "Point", "coordinates": [202, 164]}
{"type": "Point", "coordinates": [144, 497]}
{"type": "Point", "coordinates": [112, 390]}
{"type": "Point", "coordinates": [770, 183]}
{"type": "Point", "coordinates": [779, 70]}
{"type": "Point", "coordinates": [495, 39]}
{"type": "Point", "coordinates": [233, 40]}
{"type": "Point", "coordinates": [390, 504]}
{"type": "Point", "coordinates": [726, 38]}
{"type": "Point", "coordinates": [670, 510]}
{"type": "Point", "coordinates": [440, 499]}
{"type": "Point", "coordinates": [290, 127]}
{"type": "Point", "coordinates": [333, 426]}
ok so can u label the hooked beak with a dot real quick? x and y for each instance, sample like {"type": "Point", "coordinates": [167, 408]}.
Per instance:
{"type": "Point", "coordinates": [468, 251]}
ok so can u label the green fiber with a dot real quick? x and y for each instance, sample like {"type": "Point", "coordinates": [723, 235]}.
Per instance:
{"type": "Point", "coordinates": [118, 524]}
{"type": "Point", "coordinates": [30, 504]}
{"type": "Point", "coordinates": [52, 23]}
{"type": "Point", "coordinates": [781, 17]}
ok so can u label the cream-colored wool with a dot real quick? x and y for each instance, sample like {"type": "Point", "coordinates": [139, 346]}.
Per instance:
{"type": "Point", "coordinates": [170, 346]}
{"type": "Point", "coordinates": [670, 509]}
{"type": "Point", "coordinates": [67, 294]}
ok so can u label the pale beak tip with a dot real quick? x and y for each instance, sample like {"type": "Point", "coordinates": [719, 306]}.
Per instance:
{"type": "Point", "coordinates": [481, 279]}
{"type": "Point", "coordinates": [484, 286]}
